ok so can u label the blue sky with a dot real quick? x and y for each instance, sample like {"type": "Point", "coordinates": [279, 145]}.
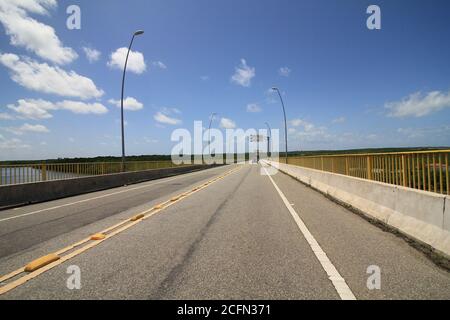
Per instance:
{"type": "Point", "coordinates": [344, 86]}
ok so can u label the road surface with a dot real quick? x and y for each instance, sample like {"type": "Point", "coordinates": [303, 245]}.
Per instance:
{"type": "Point", "coordinates": [243, 236]}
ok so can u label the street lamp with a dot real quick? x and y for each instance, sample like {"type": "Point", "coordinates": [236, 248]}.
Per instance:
{"type": "Point", "coordinates": [209, 130]}
{"type": "Point", "coordinates": [285, 122]}
{"type": "Point", "coordinates": [269, 136]}
{"type": "Point", "coordinates": [137, 33]}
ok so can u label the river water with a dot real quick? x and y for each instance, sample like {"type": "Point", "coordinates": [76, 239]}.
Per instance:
{"type": "Point", "coordinates": [28, 174]}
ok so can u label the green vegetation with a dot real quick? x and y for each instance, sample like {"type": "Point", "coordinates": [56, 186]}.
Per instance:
{"type": "Point", "coordinates": [168, 157]}
{"type": "Point", "coordinates": [93, 160]}
{"type": "Point", "coordinates": [360, 151]}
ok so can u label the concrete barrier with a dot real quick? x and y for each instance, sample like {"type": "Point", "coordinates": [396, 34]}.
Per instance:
{"type": "Point", "coordinates": [419, 215]}
{"type": "Point", "coordinates": [20, 194]}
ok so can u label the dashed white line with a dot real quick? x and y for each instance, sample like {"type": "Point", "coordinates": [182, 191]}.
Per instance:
{"type": "Point", "coordinates": [337, 280]}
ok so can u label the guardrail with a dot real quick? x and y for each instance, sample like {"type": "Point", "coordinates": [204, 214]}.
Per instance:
{"type": "Point", "coordinates": [27, 173]}
{"type": "Point", "coordinates": [423, 170]}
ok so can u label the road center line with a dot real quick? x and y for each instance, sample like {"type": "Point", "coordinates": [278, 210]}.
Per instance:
{"type": "Point", "coordinates": [88, 244]}
{"type": "Point", "coordinates": [338, 281]}
{"type": "Point", "coordinates": [95, 198]}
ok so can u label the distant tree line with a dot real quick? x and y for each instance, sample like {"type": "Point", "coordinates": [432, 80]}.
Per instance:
{"type": "Point", "coordinates": [247, 156]}
{"type": "Point", "coordinates": [359, 151]}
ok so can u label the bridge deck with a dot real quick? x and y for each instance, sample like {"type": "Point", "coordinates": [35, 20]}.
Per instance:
{"type": "Point", "coordinates": [234, 239]}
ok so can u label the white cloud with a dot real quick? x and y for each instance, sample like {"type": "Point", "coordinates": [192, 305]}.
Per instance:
{"type": "Point", "coordinates": [33, 109]}
{"type": "Point", "coordinates": [34, 128]}
{"type": "Point", "coordinates": [170, 111]}
{"type": "Point", "coordinates": [136, 62]}
{"type": "Point", "coordinates": [31, 34]}
{"type": "Point", "coordinates": [304, 135]}
{"type": "Point", "coordinates": [419, 105]}
{"type": "Point", "coordinates": [317, 135]}
{"type": "Point", "coordinates": [40, 109]}
{"type": "Point", "coordinates": [92, 54]}
{"type": "Point", "coordinates": [253, 108]}
{"type": "Point", "coordinates": [11, 144]}
{"type": "Point", "coordinates": [204, 78]}
{"type": "Point", "coordinates": [48, 79]}
{"type": "Point", "coordinates": [34, 6]}
{"type": "Point", "coordinates": [226, 123]}
{"type": "Point", "coordinates": [284, 71]}
{"type": "Point", "coordinates": [163, 118]}
{"type": "Point", "coordinates": [129, 103]}
{"type": "Point", "coordinates": [339, 120]}
{"type": "Point", "coordinates": [433, 133]}
{"type": "Point", "coordinates": [302, 123]}
{"type": "Point", "coordinates": [243, 74]}
{"type": "Point", "coordinates": [409, 132]}
{"type": "Point", "coordinates": [305, 132]}
{"type": "Point", "coordinates": [81, 107]}
{"type": "Point", "coordinates": [38, 128]}
{"type": "Point", "coordinates": [296, 122]}
{"type": "Point", "coordinates": [6, 116]}
{"type": "Point", "coordinates": [159, 64]}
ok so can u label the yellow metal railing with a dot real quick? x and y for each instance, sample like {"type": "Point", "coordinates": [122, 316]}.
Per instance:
{"type": "Point", "coordinates": [423, 170]}
{"type": "Point", "coordinates": [27, 173]}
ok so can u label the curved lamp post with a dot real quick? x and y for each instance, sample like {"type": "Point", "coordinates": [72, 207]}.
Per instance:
{"type": "Point", "coordinates": [269, 136]}
{"type": "Point", "coordinates": [285, 122]}
{"type": "Point", "coordinates": [137, 33]}
{"type": "Point", "coordinates": [209, 130]}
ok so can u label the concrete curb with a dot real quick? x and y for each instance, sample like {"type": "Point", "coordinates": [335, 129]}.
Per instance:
{"type": "Point", "coordinates": [27, 193]}
{"type": "Point", "coordinates": [423, 217]}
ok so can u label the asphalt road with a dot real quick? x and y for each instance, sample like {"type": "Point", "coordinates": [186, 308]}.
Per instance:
{"type": "Point", "coordinates": [27, 226]}
{"type": "Point", "coordinates": [234, 239]}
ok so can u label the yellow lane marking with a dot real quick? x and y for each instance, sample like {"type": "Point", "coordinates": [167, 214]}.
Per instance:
{"type": "Point", "coordinates": [11, 275]}
{"type": "Point", "coordinates": [88, 244]}
{"type": "Point", "coordinates": [68, 248]}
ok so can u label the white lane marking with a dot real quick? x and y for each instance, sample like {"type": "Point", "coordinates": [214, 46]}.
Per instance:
{"type": "Point", "coordinates": [96, 198]}
{"type": "Point", "coordinates": [338, 281]}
